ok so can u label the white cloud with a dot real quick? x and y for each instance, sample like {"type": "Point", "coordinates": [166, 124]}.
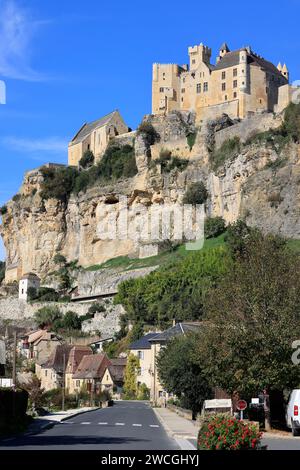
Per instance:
{"type": "Point", "coordinates": [17, 29]}
{"type": "Point", "coordinates": [53, 145]}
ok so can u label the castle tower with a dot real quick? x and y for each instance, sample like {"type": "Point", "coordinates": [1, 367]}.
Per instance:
{"type": "Point", "coordinates": [285, 72]}
{"type": "Point", "coordinates": [244, 82]}
{"type": "Point", "coordinates": [199, 54]}
{"type": "Point", "coordinates": [279, 67]}
{"type": "Point", "coordinates": [224, 49]}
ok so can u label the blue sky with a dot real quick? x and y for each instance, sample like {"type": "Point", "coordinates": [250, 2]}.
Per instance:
{"type": "Point", "coordinates": [66, 62]}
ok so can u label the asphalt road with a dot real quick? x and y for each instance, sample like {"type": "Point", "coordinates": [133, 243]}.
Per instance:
{"type": "Point", "coordinates": [124, 426]}
{"type": "Point", "coordinates": [284, 443]}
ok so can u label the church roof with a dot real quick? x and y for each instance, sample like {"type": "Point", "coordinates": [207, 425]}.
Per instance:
{"type": "Point", "coordinates": [87, 128]}
{"type": "Point", "coordinates": [224, 47]}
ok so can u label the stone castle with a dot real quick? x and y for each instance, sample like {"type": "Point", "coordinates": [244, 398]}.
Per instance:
{"type": "Point", "coordinates": [241, 83]}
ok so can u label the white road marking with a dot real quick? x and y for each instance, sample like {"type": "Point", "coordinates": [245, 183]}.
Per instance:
{"type": "Point", "coordinates": [137, 425]}
{"type": "Point", "coordinates": [85, 422]}
{"type": "Point", "coordinates": [66, 422]}
{"type": "Point", "coordinates": [103, 423]}
{"type": "Point", "coordinates": [154, 426]}
{"type": "Point", "coordinates": [120, 424]}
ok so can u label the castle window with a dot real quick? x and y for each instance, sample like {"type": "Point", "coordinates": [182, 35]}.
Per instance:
{"type": "Point", "coordinates": [198, 88]}
{"type": "Point", "coordinates": [223, 86]}
{"type": "Point", "coordinates": [235, 94]}
{"type": "Point", "coordinates": [226, 97]}
{"type": "Point", "coordinates": [193, 61]}
{"type": "Point", "coordinates": [235, 72]}
{"type": "Point", "coordinates": [205, 86]}
{"type": "Point", "coordinates": [161, 90]}
{"type": "Point", "coordinates": [235, 84]}
{"type": "Point", "coordinates": [223, 75]}
{"type": "Point", "coordinates": [182, 90]}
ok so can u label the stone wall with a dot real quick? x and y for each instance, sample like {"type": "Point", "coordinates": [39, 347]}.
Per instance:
{"type": "Point", "coordinates": [248, 127]}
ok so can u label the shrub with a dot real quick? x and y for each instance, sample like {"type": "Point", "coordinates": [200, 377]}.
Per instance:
{"type": "Point", "coordinates": [228, 150]}
{"type": "Point", "coordinates": [191, 139]}
{"type": "Point", "coordinates": [214, 226]}
{"type": "Point", "coordinates": [59, 259]}
{"type": "Point", "coordinates": [222, 432]}
{"type": "Point", "coordinates": [2, 271]}
{"type": "Point", "coordinates": [3, 210]}
{"type": "Point", "coordinates": [58, 183]}
{"type": "Point", "coordinates": [96, 308]}
{"type": "Point", "coordinates": [87, 160]}
{"type": "Point", "coordinates": [143, 392]}
{"type": "Point", "coordinates": [291, 125]}
{"type": "Point", "coordinates": [16, 197]}
{"type": "Point", "coordinates": [168, 163]}
{"type": "Point", "coordinates": [149, 133]}
{"type": "Point", "coordinates": [71, 321]}
{"type": "Point", "coordinates": [196, 194]}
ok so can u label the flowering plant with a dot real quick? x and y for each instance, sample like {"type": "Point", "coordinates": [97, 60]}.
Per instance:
{"type": "Point", "coordinates": [222, 432]}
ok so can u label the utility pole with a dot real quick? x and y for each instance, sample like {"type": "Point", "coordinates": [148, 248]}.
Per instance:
{"type": "Point", "coordinates": [63, 384]}
{"type": "Point", "coordinates": [14, 371]}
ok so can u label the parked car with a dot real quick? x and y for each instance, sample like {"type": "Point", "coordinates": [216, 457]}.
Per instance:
{"type": "Point", "coordinates": [292, 412]}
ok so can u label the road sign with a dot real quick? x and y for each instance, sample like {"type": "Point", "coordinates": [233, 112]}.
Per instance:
{"type": "Point", "coordinates": [241, 405]}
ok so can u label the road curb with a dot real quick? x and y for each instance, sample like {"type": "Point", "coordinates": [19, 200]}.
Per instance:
{"type": "Point", "coordinates": [50, 424]}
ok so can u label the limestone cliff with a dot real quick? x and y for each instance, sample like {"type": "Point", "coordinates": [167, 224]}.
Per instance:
{"type": "Point", "coordinates": [260, 184]}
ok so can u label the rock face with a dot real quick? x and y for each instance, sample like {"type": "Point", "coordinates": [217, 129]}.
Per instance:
{"type": "Point", "coordinates": [250, 185]}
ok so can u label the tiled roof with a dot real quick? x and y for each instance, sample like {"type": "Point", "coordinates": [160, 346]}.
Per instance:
{"type": "Point", "coordinates": [92, 367]}
{"type": "Point", "coordinates": [58, 358]}
{"type": "Point", "coordinates": [87, 128]}
{"type": "Point", "coordinates": [143, 343]}
{"type": "Point", "coordinates": [76, 354]}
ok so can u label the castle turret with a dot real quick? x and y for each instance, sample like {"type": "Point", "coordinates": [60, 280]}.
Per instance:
{"type": "Point", "coordinates": [285, 72]}
{"type": "Point", "coordinates": [279, 67]}
{"type": "Point", "coordinates": [224, 49]}
{"type": "Point", "coordinates": [199, 54]}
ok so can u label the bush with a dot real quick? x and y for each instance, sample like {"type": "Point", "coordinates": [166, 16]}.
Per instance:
{"type": "Point", "coordinates": [191, 139]}
{"type": "Point", "coordinates": [16, 197]}
{"type": "Point", "coordinates": [59, 259]}
{"type": "Point", "coordinates": [196, 194]}
{"type": "Point", "coordinates": [168, 163]}
{"type": "Point", "coordinates": [222, 432]}
{"type": "Point", "coordinates": [228, 150]}
{"type": "Point", "coordinates": [58, 183]}
{"type": "Point", "coordinates": [148, 132]}
{"type": "Point", "coordinates": [3, 210]}
{"type": "Point", "coordinates": [96, 308]}
{"type": "Point", "coordinates": [291, 125]}
{"type": "Point", "coordinates": [143, 392]}
{"type": "Point", "coordinates": [214, 226]}
{"type": "Point", "coordinates": [71, 321]}
{"type": "Point", "coordinates": [87, 160]}
{"type": "Point", "coordinates": [2, 271]}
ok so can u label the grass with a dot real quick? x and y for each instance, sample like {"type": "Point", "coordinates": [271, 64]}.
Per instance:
{"type": "Point", "coordinates": [127, 264]}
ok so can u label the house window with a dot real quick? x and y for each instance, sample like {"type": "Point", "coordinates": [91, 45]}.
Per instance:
{"type": "Point", "coordinates": [205, 86]}
{"type": "Point", "coordinates": [182, 90]}
{"type": "Point", "coordinates": [235, 84]}
{"type": "Point", "coordinates": [193, 61]}
{"type": "Point", "coordinates": [235, 72]}
{"type": "Point", "coordinates": [226, 97]}
{"type": "Point", "coordinates": [223, 75]}
{"type": "Point", "coordinates": [223, 86]}
{"type": "Point", "coordinates": [161, 90]}
{"type": "Point", "coordinates": [198, 88]}
{"type": "Point", "coordinates": [88, 146]}
{"type": "Point", "coordinates": [107, 378]}
{"type": "Point", "coordinates": [235, 94]}
{"type": "Point", "coordinates": [77, 383]}
{"type": "Point", "coordinates": [140, 354]}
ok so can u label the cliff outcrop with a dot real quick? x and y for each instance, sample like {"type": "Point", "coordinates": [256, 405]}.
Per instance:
{"type": "Point", "coordinates": [258, 182]}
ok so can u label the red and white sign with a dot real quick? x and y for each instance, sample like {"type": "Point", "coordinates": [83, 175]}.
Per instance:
{"type": "Point", "coordinates": [241, 405]}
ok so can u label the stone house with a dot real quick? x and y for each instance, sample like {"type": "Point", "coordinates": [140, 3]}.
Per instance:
{"type": "Point", "coordinates": [95, 136]}
{"type": "Point", "coordinates": [28, 280]}
{"type": "Point", "coordinates": [51, 372]}
{"type": "Point", "coordinates": [240, 83]}
{"type": "Point", "coordinates": [113, 377]}
{"type": "Point", "coordinates": [147, 350]}
{"type": "Point", "coordinates": [89, 373]}
{"type": "Point", "coordinates": [75, 357]}
{"type": "Point", "coordinates": [38, 345]}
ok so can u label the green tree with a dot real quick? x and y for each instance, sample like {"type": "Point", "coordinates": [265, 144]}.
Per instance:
{"type": "Point", "coordinates": [2, 271]}
{"type": "Point", "coordinates": [58, 183]}
{"type": "Point", "coordinates": [71, 321]}
{"type": "Point", "coordinates": [48, 317]}
{"type": "Point", "coordinates": [253, 318]}
{"type": "Point", "coordinates": [214, 226]}
{"type": "Point", "coordinates": [131, 372]}
{"type": "Point", "coordinates": [182, 374]}
{"type": "Point", "coordinates": [196, 194]}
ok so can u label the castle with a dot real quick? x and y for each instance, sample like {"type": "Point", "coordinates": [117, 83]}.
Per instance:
{"type": "Point", "coordinates": [241, 83]}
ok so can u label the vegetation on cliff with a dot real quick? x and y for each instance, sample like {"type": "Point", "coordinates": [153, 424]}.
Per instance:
{"type": "Point", "coordinates": [2, 271]}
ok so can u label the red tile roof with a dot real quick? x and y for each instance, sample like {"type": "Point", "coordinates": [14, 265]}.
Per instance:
{"type": "Point", "coordinates": [92, 367]}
